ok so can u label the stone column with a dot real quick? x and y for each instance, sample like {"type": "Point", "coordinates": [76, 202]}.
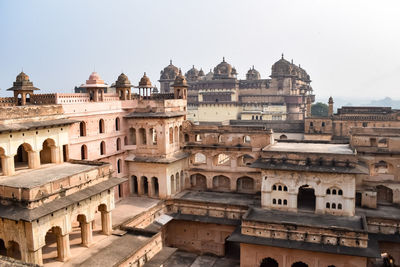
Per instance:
{"type": "Point", "coordinates": [55, 154]}
{"type": "Point", "coordinates": [292, 201]}
{"type": "Point", "coordinates": [102, 95]}
{"type": "Point", "coordinates": [35, 257]}
{"type": "Point", "coordinates": [95, 95]}
{"type": "Point", "coordinates": [129, 94]}
{"type": "Point", "coordinates": [106, 222]}
{"type": "Point", "coordinates": [209, 182]}
{"type": "Point", "coordinates": [86, 233]}
{"type": "Point", "coordinates": [150, 187]}
{"type": "Point", "coordinates": [33, 159]}
{"type": "Point", "coordinates": [319, 204]}
{"type": "Point", "coordinates": [63, 249]}
{"type": "Point", "coordinates": [7, 163]}
{"type": "Point", "coordinates": [139, 184]}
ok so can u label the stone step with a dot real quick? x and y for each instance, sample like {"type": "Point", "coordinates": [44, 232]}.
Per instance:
{"type": "Point", "coordinates": [162, 256]}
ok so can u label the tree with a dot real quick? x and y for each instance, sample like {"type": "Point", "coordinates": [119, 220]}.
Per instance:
{"type": "Point", "coordinates": [319, 110]}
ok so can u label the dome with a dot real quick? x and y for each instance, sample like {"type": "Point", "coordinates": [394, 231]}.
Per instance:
{"type": "Point", "coordinates": [253, 74]}
{"type": "Point", "coordinates": [122, 81]}
{"type": "Point", "coordinates": [169, 72]}
{"type": "Point", "coordinates": [201, 73]}
{"type": "Point", "coordinates": [330, 101]}
{"type": "Point", "coordinates": [22, 77]}
{"type": "Point", "coordinates": [209, 76]}
{"type": "Point", "coordinates": [224, 70]}
{"type": "Point", "coordinates": [144, 81]}
{"type": "Point", "coordinates": [180, 80]}
{"type": "Point", "coordinates": [282, 68]}
{"type": "Point", "coordinates": [23, 83]}
{"type": "Point", "coordinates": [192, 74]}
{"type": "Point", "coordinates": [95, 81]}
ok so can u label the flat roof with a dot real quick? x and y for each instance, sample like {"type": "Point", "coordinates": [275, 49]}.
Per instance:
{"type": "Point", "coordinates": [343, 149]}
{"type": "Point", "coordinates": [353, 223]}
{"type": "Point", "coordinates": [226, 198]}
{"type": "Point", "coordinates": [31, 178]}
{"type": "Point", "coordinates": [20, 126]}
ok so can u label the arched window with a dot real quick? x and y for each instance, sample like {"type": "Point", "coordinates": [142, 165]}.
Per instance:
{"type": "Point", "coordinates": [83, 152]}
{"type": "Point", "coordinates": [82, 128]}
{"type": "Point", "coordinates": [299, 264]}
{"type": "Point", "coordinates": [223, 159]}
{"type": "Point", "coordinates": [285, 188]}
{"type": "Point", "coordinates": [279, 201]}
{"type": "Point", "coordinates": [274, 201]}
{"type": "Point", "coordinates": [283, 137]}
{"type": "Point", "coordinates": [142, 136]}
{"type": "Point", "coordinates": [171, 135]}
{"type": "Point", "coordinates": [186, 138]}
{"type": "Point", "coordinates": [279, 188]}
{"type": "Point", "coordinates": [333, 191]}
{"type": "Point", "coordinates": [119, 166]}
{"type": "Point", "coordinates": [328, 205]}
{"type": "Point", "coordinates": [339, 206]}
{"type": "Point", "coordinates": [176, 134]}
{"type": "Point", "coordinates": [333, 206]}
{"type": "Point", "coordinates": [118, 144]}
{"type": "Point", "coordinates": [102, 148]}
{"type": "Point", "coordinates": [132, 136]}
{"type": "Point", "coordinates": [340, 192]}
{"type": "Point", "coordinates": [328, 191]}
{"type": "Point", "coordinates": [101, 126]}
{"type": "Point", "coordinates": [274, 187]}
{"type": "Point", "coordinates": [153, 133]}
{"type": "Point", "coordinates": [246, 139]}
{"type": "Point", "coordinates": [117, 124]}
{"type": "Point", "coordinates": [199, 158]}
{"type": "Point", "coordinates": [269, 262]}
{"type": "Point", "coordinates": [285, 202]}
{"type": "Point", "coordinates": [198, 138]}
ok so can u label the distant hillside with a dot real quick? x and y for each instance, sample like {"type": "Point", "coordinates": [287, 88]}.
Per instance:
{"type": "Point", "coordinates": [386, 102]}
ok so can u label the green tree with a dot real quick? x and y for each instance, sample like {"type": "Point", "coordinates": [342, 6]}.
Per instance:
{"type": "Point", "coordinates": [319, 110]}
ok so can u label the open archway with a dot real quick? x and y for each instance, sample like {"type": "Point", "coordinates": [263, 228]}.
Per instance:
{"type": "Point", "coordinates": [222, 183]}
{"type": "Point", "coordinates": [299, 264]}
{"type": "Point", "coordinates": [198, 181]}
{"type": "Point", "coordinates": [47, 154]}
{"type": "Point", "coordinates": [269, 262]}
{"type": "Point", "coordinates": [134, 185]}
{"type": "Point", "coordinates": [145, 185]}
{"type": "Point", "coordinates": [83, 152]}
{"type": "Point", "coordinates": [306, 198]}
{"type": "Point", "coordinates": [154, 182]}
{"type": "Point", "coordinates": [13, 250]}
{"type": "Point", "coordinates": [21, 159]}
{"type": "Point", "coordinates": [245, 185]}
{"type": "Point", "coordinates": [384, 194]}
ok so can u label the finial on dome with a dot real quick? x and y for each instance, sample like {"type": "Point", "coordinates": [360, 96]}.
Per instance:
{"type": "Point", "coordinates": [282, 55]}
{"type": "Point", "coordinates": [253, 67]}
{"type": "Point", "coordinates": [193, 66]}
{"type": "Point", "coordinates": [223, 59]}
{"type": "Point", "coordinates": [292, 60]}
{"type": "Point", "coordinates": [170, 62]}
{"type": "Point", "coordinates": [299, 66]}
{"type": "Point", "coordinates": [144, 74]}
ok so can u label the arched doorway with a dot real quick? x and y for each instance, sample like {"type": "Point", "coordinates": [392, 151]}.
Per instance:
{"type": "Point", "coordinates": [198, 181]}
{"type": "Point", "coordinates": [245, 185]}
{"type": "Point", "coordinates": [306, 198]}
{"type": "Point", "coordinates": [299, 264]}
{"type": "Point", "coordinates": [172, 182]}
{"type": "Point", "coordinates": [134, 185]}
{"type": "Point", "coordinates": [269, 262]}
{"type": "Point", "coordinates": [384, 194]}
{"type": "Point", "coordinates": [13, 250]}
{"type": "Point", "coordinates": [145, 185]}
{"type": "Point", "coordinates": [83, 152]}
{"type": "Point", "coordinates": [21, 158]}
{"type": "Point", "coordinates": [154, 182]}
{"type": "Point", "coordinates": [82, 128]}
{"type": "Point", "coordinates": [3, 250]}
{"type": "Point", "coordinates": [222, 183]}
{"type": "Point", "coordinates": [56, 246]}
{"type": "Point", "coordinates": [132, 136]}
{"type": "Point", "coordinates": [46, 154]}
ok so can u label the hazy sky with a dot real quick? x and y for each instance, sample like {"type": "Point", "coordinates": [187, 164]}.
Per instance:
{"type": "Point", "coordinates": [349, 48]}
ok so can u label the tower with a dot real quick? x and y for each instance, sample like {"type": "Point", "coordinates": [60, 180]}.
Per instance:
{"type": "Point", "coordinates": [330, 102]}
{"type": "Point", "coordinates": [180, 86]}
{"type": "Point", "coordinates": [167, 76]}
{"type": "Point", "coordinates": [23, 89]}
{"type": "Point", "coordinates": [144, 87]}
{"type": "Point", "coordinates": [95, 87]}
{"type": "Point", "coordinates": [123, 87]}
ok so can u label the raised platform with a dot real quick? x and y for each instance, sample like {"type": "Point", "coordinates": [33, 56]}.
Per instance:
{"type": "Point", "coordinates": [310, 148]}
{"type": "Point", "coordinates": [226, 198]}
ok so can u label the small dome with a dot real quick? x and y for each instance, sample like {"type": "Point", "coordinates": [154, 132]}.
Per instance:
{"type": "Point", "coordinates": [180, 80]}
{"type": "Point", "coordinates": [209, 76]}
{"type": "Point", "coordinates": [144, 81]}
{"type": "Point", "coordinates": [224, 70]}
{"type": "Point", "coordinates": [201, 73]}
{"type": "Point", "coordinates": [169, 72]}
{"type": "Point", "coordinates": [94, 78]}
{"type": "Point", "coordinates": [330, 101]}
{"type": "Point", "coordinates": [192, 74]}
{"type": "Point", "coordinates": [22, 77]}
{"type": "Point", "coordinates": [282, 68]}
{"type": "Point", "coordinates": [253, 74]}
{"type": "Point", "coordinates": [122, 81]}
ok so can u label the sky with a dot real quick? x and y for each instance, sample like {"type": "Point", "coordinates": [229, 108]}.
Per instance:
{"type": "Point", "coordinates": [351, 49]}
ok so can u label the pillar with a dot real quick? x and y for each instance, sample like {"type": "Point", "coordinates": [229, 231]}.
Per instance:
{"type": "Point", "coordinates": [63, 248]}
{"type": "Point", "coordinates": [35, 257]}
{"type": "Point", "coordinates": [95, 95]}
{"type": "Point", "coordinates": [7, 163]}
{"type": "Point", "coordinates": [55, 154]}
{"type": "Point", "coordinates": [102, 95]}
{"type": "Point", "coordinates": [319, 204]}
{"type": "Point", "coordinates": [33, 159]}
{"type": "Point", "coordinates": [106, 222]}
{"type": "Point", "coordinates": [86, 233]}
{"type": "Point", "coordinates": [308, 107]}
{"type": "Point", "coordinates": [129, 94]}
